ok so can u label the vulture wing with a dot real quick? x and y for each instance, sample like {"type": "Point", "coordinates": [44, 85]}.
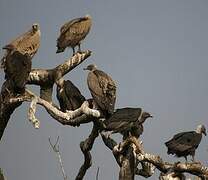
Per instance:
{"type": "Point", "coordinates": [73, 93]}
{"type": "Point", "coordinates": [69, 96]}
{"type": "Point", "coordinates": [17, 69]}
{"type": "Point", "coordinates": [69, 24]}
{"type": "Point", "coordinates": [72, 32]}
{"type": "Point", "coordinates": [123, 120]}
{"type": "Point", "coordinates": [103, 90]}
{"type": "Point", "coordinates": [184, 141]}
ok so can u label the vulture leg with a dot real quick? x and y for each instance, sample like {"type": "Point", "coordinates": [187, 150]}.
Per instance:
{"type": "Point", "coordinates": [193, 157]}
{"type": "Point", "coordinates": [73, 51]}
{"type": "Point", "coordinates": [79, 47]}
{"type": "Point", "coordinates": [186, 158]}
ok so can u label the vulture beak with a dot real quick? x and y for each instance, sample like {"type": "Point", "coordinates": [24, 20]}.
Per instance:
{"type": "Point", "coordinates": [205, 133]}
{"type": "Point", "coordinates": [84, 69]}
{"type": "Point", "coordinates": [151, 116]}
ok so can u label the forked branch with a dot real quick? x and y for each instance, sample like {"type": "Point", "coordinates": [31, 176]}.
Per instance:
{"type": "Point", "coordinates": [66, 118]}
{"type": "Point", "coordinates": [85, 147]}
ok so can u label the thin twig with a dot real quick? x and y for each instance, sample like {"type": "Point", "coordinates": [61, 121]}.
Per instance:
{"type": "Point", "coordinates": [55, 148]}
{"type": "Point", "coordinates": [97, 174]}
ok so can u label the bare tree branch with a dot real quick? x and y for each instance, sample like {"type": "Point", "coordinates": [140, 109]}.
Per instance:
{"type": "Point", "coordinates": [43, 77]}
{"type": "Point", "coordinates": [6, 108]}
{"type": "Point", "coordinates": [193, 168]}
{"type": "Point", "coordinates": [67, 118]}
{"type": "Point", "coordinates": [146, 171]}
{"type": "Point", "coordinates": [31, 113]}
{"type": "Point", "coordinates": [149, 161]}
{"type": "Point", "coordinates": [85, 147]}
{"type": "Point", "coordinates": [55, 148]}
{"type": "Point", "coordinates": [97, 174]}
{"type": "Point", "coordinates": [125, 155]}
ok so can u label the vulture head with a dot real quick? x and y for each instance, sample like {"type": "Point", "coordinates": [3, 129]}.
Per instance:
{"type": "Point", "coordinates": [91, 67]}
{"type": "Point", "coordinates": [201, 129]}
{"type": "Point", "coordinates": [145, 115]}
{"type": "Point", "coordinates": [87, 16]}
{"type": "Point", "coordinates": [35, 27]}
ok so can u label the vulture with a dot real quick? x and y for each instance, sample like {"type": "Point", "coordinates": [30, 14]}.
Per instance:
{"type": "Point", "coordinates": [127, 121]}
{"type": "Point", "coordinates": [28, 43]}
{"type": "Point", "coordinates": [17, 69]}
{"type": "Point", "coordinates": [73, 32]}
{"type": "Point", "coordinates": [69, 96]}
{"type": "Point", "coordinates": [102, 89]}
{"type": "Point", "coordinates": [17, 59]}
{"type": "Point", "coordinates": [186, 143]}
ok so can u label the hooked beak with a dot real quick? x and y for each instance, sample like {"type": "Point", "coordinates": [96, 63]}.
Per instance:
{"type": "Point", "coordinates": [151, 116]}
{"type": "Point", "coordinates": [205, 133]}
{"type": "Point", "coordinates": [84, 69]}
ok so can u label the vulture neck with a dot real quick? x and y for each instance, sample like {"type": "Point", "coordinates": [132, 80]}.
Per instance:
{"type": "Point", "coordinates": [198, 130]}
{"type": "Point", "coordinates": [93, 69]}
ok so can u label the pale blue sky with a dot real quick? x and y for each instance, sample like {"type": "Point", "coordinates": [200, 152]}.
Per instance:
{"type": "Point", "coordinates": [156, 51]}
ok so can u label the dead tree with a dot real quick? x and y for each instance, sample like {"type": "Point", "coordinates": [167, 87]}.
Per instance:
{"type": "Point", "coordinates": [129, 154]}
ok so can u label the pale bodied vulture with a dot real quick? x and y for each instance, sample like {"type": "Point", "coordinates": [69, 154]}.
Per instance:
{"type": "Point", "coordinates": [127, 121]}
{"type": "Point", "coordinates": [186, 143]}
{"type": "Point", "coordinates": [102, 88]}
{"type": "Point", "coordinates": [73, 32]}
{"type": "Point", "coordinates": [69, 96]}
{"type": "Point", "coordinates": [26, 44]}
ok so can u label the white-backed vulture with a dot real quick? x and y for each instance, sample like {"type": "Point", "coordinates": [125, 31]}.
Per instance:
{"type": "Point", "coordinates": [73, 32]}
{"type": "Point", "coordinates": [102, 88]}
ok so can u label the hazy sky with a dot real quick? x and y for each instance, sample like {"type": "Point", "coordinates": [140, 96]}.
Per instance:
{"type": "Point", "coordinates": [156, 51]}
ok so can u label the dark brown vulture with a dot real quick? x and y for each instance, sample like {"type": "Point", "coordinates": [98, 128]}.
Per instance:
{"type": "Point", "coordinates": [17, 69]}
{"type": "Point", "coordinates": [69, 96]}
{"type": "Point", "coordinates": [186, 143]}
{"type": "Point", "coordinates": [102, 88]}
{"type": "Point", "coordinates": [73, 32]}
{"type": "Point", "coordinates": [127, 121]}
{"type": "Point", "coordinates": [17, 59]}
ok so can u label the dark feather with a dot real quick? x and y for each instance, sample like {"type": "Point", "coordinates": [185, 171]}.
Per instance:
{"type": "Point", "coordinates": [69, 96]}
{"type": "Point", "coordinates": [17, 68]}
{"type": "Point", "coordinates": [103, 90]}
{"type": "Point", "coordinates": [184, 144]}
{"type": "Point", "coordinates": [125, 120]}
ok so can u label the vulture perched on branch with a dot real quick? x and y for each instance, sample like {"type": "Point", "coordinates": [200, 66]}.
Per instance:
{"type": "Point", "coordinates": [127, 121]}
{"type": "Point", "coordinates": [69, 96]}
{"type": "Point", "coordinates": [186, 143]}
{"type": "Point", "coordinates": [103, 90]}
{"type": "Point", "coordinates": [17, 69]}
{"type": "Point", "coordinates": [73, 32]}
{"type": "Point", "coordinates": [17, 59]}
